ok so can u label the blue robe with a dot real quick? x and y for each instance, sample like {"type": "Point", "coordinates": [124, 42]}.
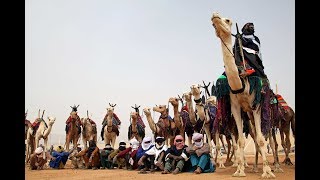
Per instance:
{"type": "Point", "coordinates": [60, 157]}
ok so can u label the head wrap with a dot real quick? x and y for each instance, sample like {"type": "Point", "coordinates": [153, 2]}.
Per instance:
{"type": "Point", "coordinates": [145, 145]}
{"type": "Point", "coordinates": [248, 29]}
{"type": "Point", "coordinates": [122, 145]}
{"type": "Point", "coordinates": [197, 136]}
{"type": "Point", "coordinates": [134, 143]}
{"type": "Point", "coordinates": [59, 149]}
{"type": "Point", "coordinates": [161, 140]}
{"type": "Point", "coordinates": [179, 145]}
{"type": "Point", "coordinates": [39, 150]}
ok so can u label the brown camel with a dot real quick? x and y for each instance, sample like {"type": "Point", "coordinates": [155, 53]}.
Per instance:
{"type": "Point", "coordinates": [89, 130]}
{"type": "Point", "coordinates": [135, 130]}
{"type": "Point", "coordinates": [165, 127]}
{"type": "Point", "coordinates": [177, 118]}
{"type": "Point", "coordinates": [73, 133]}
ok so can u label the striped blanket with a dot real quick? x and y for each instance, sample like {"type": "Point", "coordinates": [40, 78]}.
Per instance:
{"type": "Point", "coordinates": [282, 102]}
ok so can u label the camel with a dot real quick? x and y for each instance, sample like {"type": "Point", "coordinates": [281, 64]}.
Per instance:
{"type": "Point", "coordinates": [43, 132]}
{"type": "Point", "coordinates": [165, 126]}
{"type": "Point", "coordinates": [73, 133]}
{"type": "Point", "coordinates": [111, 129]}
{"type": "Point", "coordinates": [285, 121]}
{"type": "Point", "coordinates": [240, 96]}
{"type": "Point", "coordinates": [202, 114]}
{"type": "Point", "coordinates": [89, 131]}
{"type": "Point", "coordinates": [177, 118]}
{"type": "Point", "coordinates": [135, 130]}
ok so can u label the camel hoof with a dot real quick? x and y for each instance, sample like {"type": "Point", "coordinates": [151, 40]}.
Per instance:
{"type": "Point", "coordinates": [278, 170]}
{"type": "Point", "coordinates": [269, 175]}
{"type": "Point", "coordinates": [255, 170]}
{"type": "Point", "coordinates": [228, 163]}
{"type": "Point", "coordinates": [288, 162]}
{"type": "Point", "coordinates": [221, 166]}
{"type": "Point", "coordinates": [239, 174]}
{"type": "Point", "coordinates": [234, 165]}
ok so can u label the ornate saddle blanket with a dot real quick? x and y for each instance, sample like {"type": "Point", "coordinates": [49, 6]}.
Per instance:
{"type": "Point", "coordinates": [165, 127]}
{"type": "Point", "coordinates": [140, 122]}
{"type": "Point", "coordinates": [282, 102]}
{"type": "Point", "coordinates": [140, 129]}
{"type": "Point", "coordinates": [186, 122]}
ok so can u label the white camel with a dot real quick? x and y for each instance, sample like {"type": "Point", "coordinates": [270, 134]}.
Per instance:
{"type": "Point", "coordinates": [242, 99]}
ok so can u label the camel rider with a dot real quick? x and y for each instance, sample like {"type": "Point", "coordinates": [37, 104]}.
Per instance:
{"type": "Point", "coordinates": [115, 121]}
{"type": "Point", "coordinates": [251, 52]}
{"type": "Point", "coordinates": [78, 121]}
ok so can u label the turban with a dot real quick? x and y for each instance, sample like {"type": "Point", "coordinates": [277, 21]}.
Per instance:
{"type": "Point", "coordinates": [197, 136]}
{"type": "Point", "coordinates": [179, 145]}
{"type": "Point", "coordinates": [145, 145]}
{"type": "Point", "coordinates": [39, 150]}
{"type": "Point", "coordinates": [59, 149]}
{"type": "Point", "coordinates": [134, 143]}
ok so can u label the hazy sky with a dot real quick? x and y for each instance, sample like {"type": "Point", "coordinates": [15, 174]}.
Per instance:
{"type": "Point", "coordinates": [142, 52]}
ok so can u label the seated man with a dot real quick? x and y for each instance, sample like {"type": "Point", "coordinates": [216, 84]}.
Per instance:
{"type": "Point", "coordinates": [36, 160]}
{"type": "Point", "coordinates": [91, 156]}
{"type": "Point", "coordinates": [157, 153]}
{"type": "Point", "coordinates": [144, 161]}
{"type": "Point", "coordinates": [129, 154]}
{"type": "Point", "coordinates": [59, 158]}
{"type": "Point", "coordinates": [176, 156]}
{"type": "Point", "coordinates": [200, 155]}
{"type": "Point", "coordinates": [105, 152]}
{"type": "Point", "coordinates": [113, 156]}
{"type": "Point", "coordinates": [77, 162]}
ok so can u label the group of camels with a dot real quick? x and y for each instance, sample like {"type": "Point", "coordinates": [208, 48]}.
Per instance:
{"type": "Point", "coordinates": [199, 113]}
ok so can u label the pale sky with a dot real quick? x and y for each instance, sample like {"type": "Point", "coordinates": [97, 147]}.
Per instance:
{"type": "Point", "coordinates": [142, 52]}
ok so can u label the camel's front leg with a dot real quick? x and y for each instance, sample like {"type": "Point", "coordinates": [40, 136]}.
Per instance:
{"type": "Point", "coordinates": [235, 151]}
{"type": "Point", "coordinates": [45, 142]}
{"type": "Point", "coordinates": [261, 143]}
{"type": "Point", "coordinates": [208, 133]}
{"type": "Point", "coordinates": [114, 140]}
{"type": "Point", "coordinates": [236, 111]}
{"type": "Point", "coordinates": [218, 150]}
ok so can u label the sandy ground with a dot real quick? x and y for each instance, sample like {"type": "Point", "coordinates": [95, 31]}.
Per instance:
{"type": "Point", "coordinates": [69, 173]}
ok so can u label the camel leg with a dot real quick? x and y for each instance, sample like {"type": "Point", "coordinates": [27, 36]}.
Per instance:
{"type": "Point", "coordinates": [189, 140]}
{"type": "Point", "coordinates": [208, 133]}
{"type": "Point", "coordinates": [288, 146]}
{"type": "Point", "coordinates": [45, 142]}
{"type": "Point", "coordinates": [261, 143]}
{"type": "Point", "coordinates": [114, 140]}
{"type": "Point", "coordinates": [229, 154]}
{"type": "Point", "coordinates": [218, 154]}
{"type": "Point", "coordinates": [272, 141]}
{"type": "Point", "coordinates": [235, 151]}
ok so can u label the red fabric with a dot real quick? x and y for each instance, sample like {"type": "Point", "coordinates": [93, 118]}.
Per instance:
{"type": "Point", "coordinates": [91, 121]}
{"type": "Point", "coordinates": [282, 102]}
{"type": "Point", "coordinates": [140, 121]}
{"type": "Point", "coordinates": [116, 117]}
{"type": "Point", "coordinates": [70, 119]}
{"type": "Point", "coordinates": [185, 108]}
{"type": "Point", "coordinates": [123, 153]}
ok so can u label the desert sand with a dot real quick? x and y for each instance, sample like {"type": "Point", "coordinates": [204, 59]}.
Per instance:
{"type": "Point", "coordinates": [221, 174]}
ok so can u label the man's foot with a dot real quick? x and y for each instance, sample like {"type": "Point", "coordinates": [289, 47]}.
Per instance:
{"type": "Point", "coordinates": [165, 172]}
{"type": "Point", "coordinates": [160, 166]}
{"type": "Point", "coordinates": [103, 167]}
{"type": "Point", "coordinates": [143, 171]}
{"type": "Point", "coordinates": [198, 170]}
{"type": "Point", "coordinates": [176, 171]}
{"type": "Point", "coordinates": [94, 168]}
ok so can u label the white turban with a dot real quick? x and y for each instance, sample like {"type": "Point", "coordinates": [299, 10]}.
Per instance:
{"type": "Point", "coordinates": [39, 150]}
{"type": "Point", "coordinates": [197, 136]}
{"type": "Point", "coordinates": [134, 143]}
{"type": "Point", "coordinates": [144, 145]}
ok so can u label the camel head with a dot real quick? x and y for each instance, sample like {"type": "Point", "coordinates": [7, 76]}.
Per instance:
{"type": "Point", "coordinates": [187, 96]}
{"type": "Point", "coordinates": [147, 111]}
{"type": "Point", "coordinates": [84, 121]}
{"type": "Point", "coordinates": [221, 25]}
{"type": "Point", "coordinates": [110, 109]}
{"type": "Point", "coordinates": [161, 108]}
{"type": "Point", "coordinates": [174, 101]}
{"type": "Point", "coordinates": [195, 89]}
{"type": "Point", "coordinates": [212, 100]}
{"type": "Point", "coordinates": [51, 120]}
{"type": "Point", "coordinates": [134, 115]}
